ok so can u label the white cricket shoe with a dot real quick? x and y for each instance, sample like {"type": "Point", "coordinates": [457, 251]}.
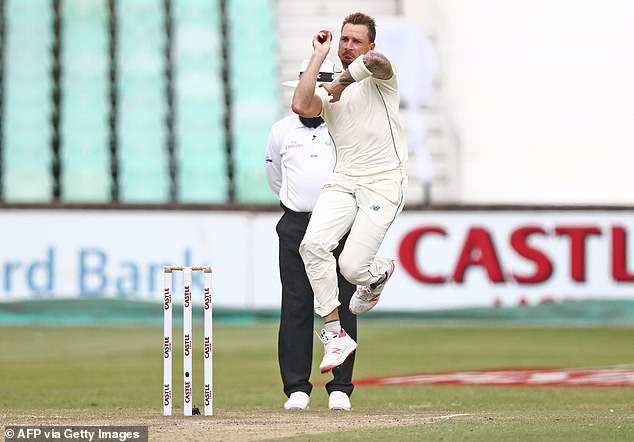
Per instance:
{"type": "Point", "coordinates": [337, 347]}
{"type": "Point", "coordinates": [339, 401]}
{"type": "Point", "coordinates": [297, 401]}
{"type": "Point", "coordinates": [366, 297]}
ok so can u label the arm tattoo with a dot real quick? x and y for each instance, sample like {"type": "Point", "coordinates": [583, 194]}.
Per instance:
{"type": "Point", "coordinates": [345, 79]}
{"type": "Point", "coordinates": [378, 64]}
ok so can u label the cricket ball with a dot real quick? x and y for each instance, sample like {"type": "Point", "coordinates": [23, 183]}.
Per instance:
{"type": "Point", "coordinates": [322, 37]}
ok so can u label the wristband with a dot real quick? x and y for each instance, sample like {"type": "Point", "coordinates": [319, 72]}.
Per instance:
{"type": "Point", "coordinates": [358, 70]}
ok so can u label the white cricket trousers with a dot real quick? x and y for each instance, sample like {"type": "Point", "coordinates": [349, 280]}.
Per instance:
{"type": "Point", "coordinates": [366, 206]}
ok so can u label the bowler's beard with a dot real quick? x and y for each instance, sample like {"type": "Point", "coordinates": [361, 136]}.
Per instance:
{"type": "Point", "coordinates": [313, 122]}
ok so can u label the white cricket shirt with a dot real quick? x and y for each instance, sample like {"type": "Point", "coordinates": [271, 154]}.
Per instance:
{"type": "Point", "coordinates": [298, 158]}
{"type": "Point", "coordinates": [365, 127]}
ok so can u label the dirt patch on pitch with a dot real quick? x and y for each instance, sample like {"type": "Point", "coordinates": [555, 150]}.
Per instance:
{"type": "Point", "coordinates": [233, 426]}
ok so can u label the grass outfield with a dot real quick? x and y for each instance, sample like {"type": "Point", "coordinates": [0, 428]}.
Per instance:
{"type": "Point", "coordinates": [113, 376]}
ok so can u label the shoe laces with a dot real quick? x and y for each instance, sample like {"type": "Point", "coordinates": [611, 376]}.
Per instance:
{"type": "Point", "coordinates": [366, 293]}
{"type": "Point", "coordinates": [322, 336]}
{"type": "Point", "coordinates": [325, 336]}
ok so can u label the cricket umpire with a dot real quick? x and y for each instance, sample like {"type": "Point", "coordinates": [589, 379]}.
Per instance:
{"type": "Point", "coordinates": [298, 158]}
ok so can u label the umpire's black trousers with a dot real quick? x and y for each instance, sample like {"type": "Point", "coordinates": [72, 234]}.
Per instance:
{"type": "Point", "coordinates": [296, 336]}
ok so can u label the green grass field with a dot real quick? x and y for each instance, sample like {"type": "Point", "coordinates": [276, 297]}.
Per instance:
{"type": "Point", "coordinates": [113, 375]}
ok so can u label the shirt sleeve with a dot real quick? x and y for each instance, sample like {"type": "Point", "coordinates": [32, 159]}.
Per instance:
{"type": "Point", "coordinates": [389, 83]}
{"type": "Point", "coordinates": [322, 93]}
{"type": "Point", "coordinates": [273, 161]}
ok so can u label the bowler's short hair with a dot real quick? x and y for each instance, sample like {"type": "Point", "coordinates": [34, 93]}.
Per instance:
{"type": "Point", "coordinates": [359, 18]}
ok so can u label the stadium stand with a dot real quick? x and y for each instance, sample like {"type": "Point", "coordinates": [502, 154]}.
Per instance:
{"type": "Point", "coordinates": [143, 160]}
{"type": "Point", "coordinates": [255, 95]}
{"type": "Point", "coordinates": [201, 156]}
{"type": "Point", "coordinates": [85, 154]}
{"type": "Point", "coordinates": [27, 157]}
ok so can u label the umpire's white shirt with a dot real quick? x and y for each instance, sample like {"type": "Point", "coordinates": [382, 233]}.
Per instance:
{"type": "Point", "coordinates": [298, 158]}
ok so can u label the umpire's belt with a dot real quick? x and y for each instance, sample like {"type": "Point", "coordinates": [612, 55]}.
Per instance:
{"type": "Point", "coordinates": [302, 215]}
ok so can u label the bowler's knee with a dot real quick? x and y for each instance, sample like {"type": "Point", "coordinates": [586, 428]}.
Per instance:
{"type": "Point", "coordinates": [350, 269]}
{"type": "Point", "coordinates": [309, 249]}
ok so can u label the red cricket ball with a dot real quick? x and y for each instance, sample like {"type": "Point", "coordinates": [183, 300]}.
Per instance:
{"type": "Point", "coordinates": [323, 36]}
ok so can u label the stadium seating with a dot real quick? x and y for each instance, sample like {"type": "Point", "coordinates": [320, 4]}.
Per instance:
{"type": "Point", "coordinates": [142, 133]}
{"type": "Point", "coordinates": [27, 106]}
{"type": "Point", "coordinates": [150, 165]}
{"type": "Point", "coordinates": [200, 150]}
{"type": "Point", "coordinates": [85, 152]}
{"type": "Point", "coordinates": [255, 95]}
